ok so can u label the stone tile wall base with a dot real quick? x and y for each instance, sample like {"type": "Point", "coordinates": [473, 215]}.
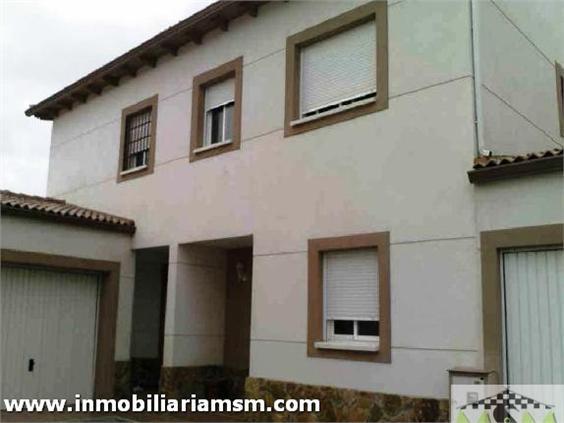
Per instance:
{"type": "Point", "coordinates": [349, 405]}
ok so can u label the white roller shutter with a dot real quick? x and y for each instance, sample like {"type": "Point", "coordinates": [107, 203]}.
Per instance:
{"type": "Point", "coordinates": [219, 93]}
{"type": "Point", "coordinates": [338, 68]}
{"type": "Point", "coordinates": [533, 284]}
{"type": "Point", "coordinates": [351, 284]}
{"type": "Point", "coordinates": [49, 321]}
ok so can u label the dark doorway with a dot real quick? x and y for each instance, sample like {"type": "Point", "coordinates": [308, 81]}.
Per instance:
{"type": "Point", "coordinates": [238, 314]}
{"type": "Point", "coordinates": [149, 307]}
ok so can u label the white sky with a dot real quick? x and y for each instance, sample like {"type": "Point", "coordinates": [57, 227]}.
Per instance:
{"type": "Point", "coordinates": [48, 44]}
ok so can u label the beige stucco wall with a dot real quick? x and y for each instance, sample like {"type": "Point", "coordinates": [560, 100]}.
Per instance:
{"type": "Point", "coordinates": [195, 315]}
{"type": "Point", "coordinates": [518, 43]}
{"type": "Point", "coordinates": [400, 170]}
{"type": "Point", "coordinates": [40, 236]}
{"type": "Point", "coordinates": [531, 201]}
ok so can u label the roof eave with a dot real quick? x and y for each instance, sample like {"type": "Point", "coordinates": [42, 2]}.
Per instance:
{"type": "Point", "coordinates": [192, 29]}
{"type": "Point", "coordinates": [515, 170]}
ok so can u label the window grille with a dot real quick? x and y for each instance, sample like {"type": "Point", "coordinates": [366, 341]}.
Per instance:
{"type": "Point", "coordinates": [137, 139]}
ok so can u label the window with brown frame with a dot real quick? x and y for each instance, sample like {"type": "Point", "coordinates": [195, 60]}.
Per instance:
{"type": "Point", "coordinates": [337, 70]}
{"type": "Point", "coordinates": [560, 95]}
{"type": "Point", "coordinates": [349, 297]}
{"type": "Point", "coordinates": [137, 145]}
{"type": "Point", "coordinates": [216, 111]}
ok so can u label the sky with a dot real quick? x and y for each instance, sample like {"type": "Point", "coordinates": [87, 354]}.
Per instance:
{"type": "Point", "coordinates": [46, 45]}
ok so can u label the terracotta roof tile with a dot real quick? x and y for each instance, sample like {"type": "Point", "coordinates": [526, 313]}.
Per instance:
{"type": "Point", "coordinates": [485, 161]}
{"type": "Point", "coordinates": [60, 210]}
{"type": "Point", "coordinates": [490, 168]}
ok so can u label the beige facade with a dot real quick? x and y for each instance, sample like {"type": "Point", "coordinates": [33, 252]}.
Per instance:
{"type": "Point", "coordinates": [517, 46]}
{"type": "Point", "coordinates": [401, 170]}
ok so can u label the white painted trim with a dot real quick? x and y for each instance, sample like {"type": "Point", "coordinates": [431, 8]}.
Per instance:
{"type": "Point", "coordinates": [133, 170]}
{"type": "Point", "coordinates": [348, 345]}
{"type": "Point", "coordinates": [212, 146]}
{"type": "Point", "coordinates": [333, 111]}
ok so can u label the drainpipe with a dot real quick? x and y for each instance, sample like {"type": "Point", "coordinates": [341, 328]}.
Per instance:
{"type": "Point", "coordinates": [477, 80]}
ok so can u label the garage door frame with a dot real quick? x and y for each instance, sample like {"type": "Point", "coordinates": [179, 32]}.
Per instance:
{"type": "Point", "coordinates": [492, 244]}
{"type": "Point", "coordinates": [107, 312]}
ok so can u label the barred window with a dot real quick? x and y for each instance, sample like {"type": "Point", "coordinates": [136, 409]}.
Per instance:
{"type": "Point", "coordinates": [137, 139]}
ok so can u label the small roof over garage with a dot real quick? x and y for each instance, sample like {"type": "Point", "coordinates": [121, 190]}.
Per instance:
{"type": "Point", "coordinates": [59, 210]}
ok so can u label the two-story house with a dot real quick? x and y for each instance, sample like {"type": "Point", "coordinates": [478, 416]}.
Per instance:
{"type": "Point", "coordinates": [309, 221]}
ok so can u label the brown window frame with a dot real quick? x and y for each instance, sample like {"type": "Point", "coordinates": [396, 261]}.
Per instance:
{"type": "Point", "coordinates": [560, 95]}
{"type": "Point", "coordinates": [232, 69]}
{"type": "Point", "coordinates": [492, 244]}
{"type": "Point", "coordinates": [316, 247]}
{"type": "Point", "coordinates": [377, 10]}
{"type": "Point", "coordinates": [125, 113]}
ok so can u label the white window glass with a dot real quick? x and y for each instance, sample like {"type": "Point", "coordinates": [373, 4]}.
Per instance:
{"type": "Point", "coordinates": [219, 103]}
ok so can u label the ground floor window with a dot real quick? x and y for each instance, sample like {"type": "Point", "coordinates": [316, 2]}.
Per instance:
{"type": "Point", "coordinates": [351, 300]}
{"type": "Point", "coordinates": [349, 297]}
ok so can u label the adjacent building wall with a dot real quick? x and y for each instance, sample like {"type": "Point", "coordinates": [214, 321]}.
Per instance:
{"type": "Point", "coordinates": [518, 43]}
{"type": "Point", "coordinates": [401, 170]}
{"type": "Point", "coordinates": [530, 201]}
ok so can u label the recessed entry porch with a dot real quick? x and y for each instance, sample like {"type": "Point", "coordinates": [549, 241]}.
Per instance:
{"type": "Point", "coordinates": [206, 338]}
{"type": "Point", "coordinates": [149, 305]}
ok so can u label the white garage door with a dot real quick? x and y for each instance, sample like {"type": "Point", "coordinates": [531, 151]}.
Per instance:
{"type": "Point", "coordinates": [48, 333]}
{"type": "Point", "coordinates": [533, 292]}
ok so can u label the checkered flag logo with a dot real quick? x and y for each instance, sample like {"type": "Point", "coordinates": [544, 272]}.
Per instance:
{"type": "Point", "coordinates": [509, 400]}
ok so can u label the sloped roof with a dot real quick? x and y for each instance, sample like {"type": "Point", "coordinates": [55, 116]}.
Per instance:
{"type": "Point", "coordinates": [488, 168]}
{"type": "Point", "coordinates": [485, 161]}
{"type": "Point", "coordinates": [169, 41]}
{"type": "Point", "coordinates": [60, 210]}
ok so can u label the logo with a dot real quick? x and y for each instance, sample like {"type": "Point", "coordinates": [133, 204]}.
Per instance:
{"type": "Point", "coordinates": [507, 404]}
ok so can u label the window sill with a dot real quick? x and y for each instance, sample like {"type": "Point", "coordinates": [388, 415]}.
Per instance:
{"type": "Point", "coordinates": [348, 345]}
{"type": "Point", "coordinates": [212, 147]}
{"type": "Point", "coordinates": [336, 111]}
{"type": "Point", "coordinates": [133, 170]}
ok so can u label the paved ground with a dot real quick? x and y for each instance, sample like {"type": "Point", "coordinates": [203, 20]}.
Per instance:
{"type": "Point", "coordinates": [125, 417]}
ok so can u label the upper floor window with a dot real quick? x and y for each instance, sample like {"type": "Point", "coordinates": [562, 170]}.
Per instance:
{"type": "Point", "coordinates": [338, 69]}
{"type": "Point", "coordinates": [138, 131]}
{"type": "Point", "coordinates": [216, 111]}
{"type": "Point", "coordinates": [137, 139]}
{"type": "Point", "coordinates": [349, 297]}
{"type": "Point", "coordinates": [219, 105]}
{"type": "Point", "coordinates": [560, 95]}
